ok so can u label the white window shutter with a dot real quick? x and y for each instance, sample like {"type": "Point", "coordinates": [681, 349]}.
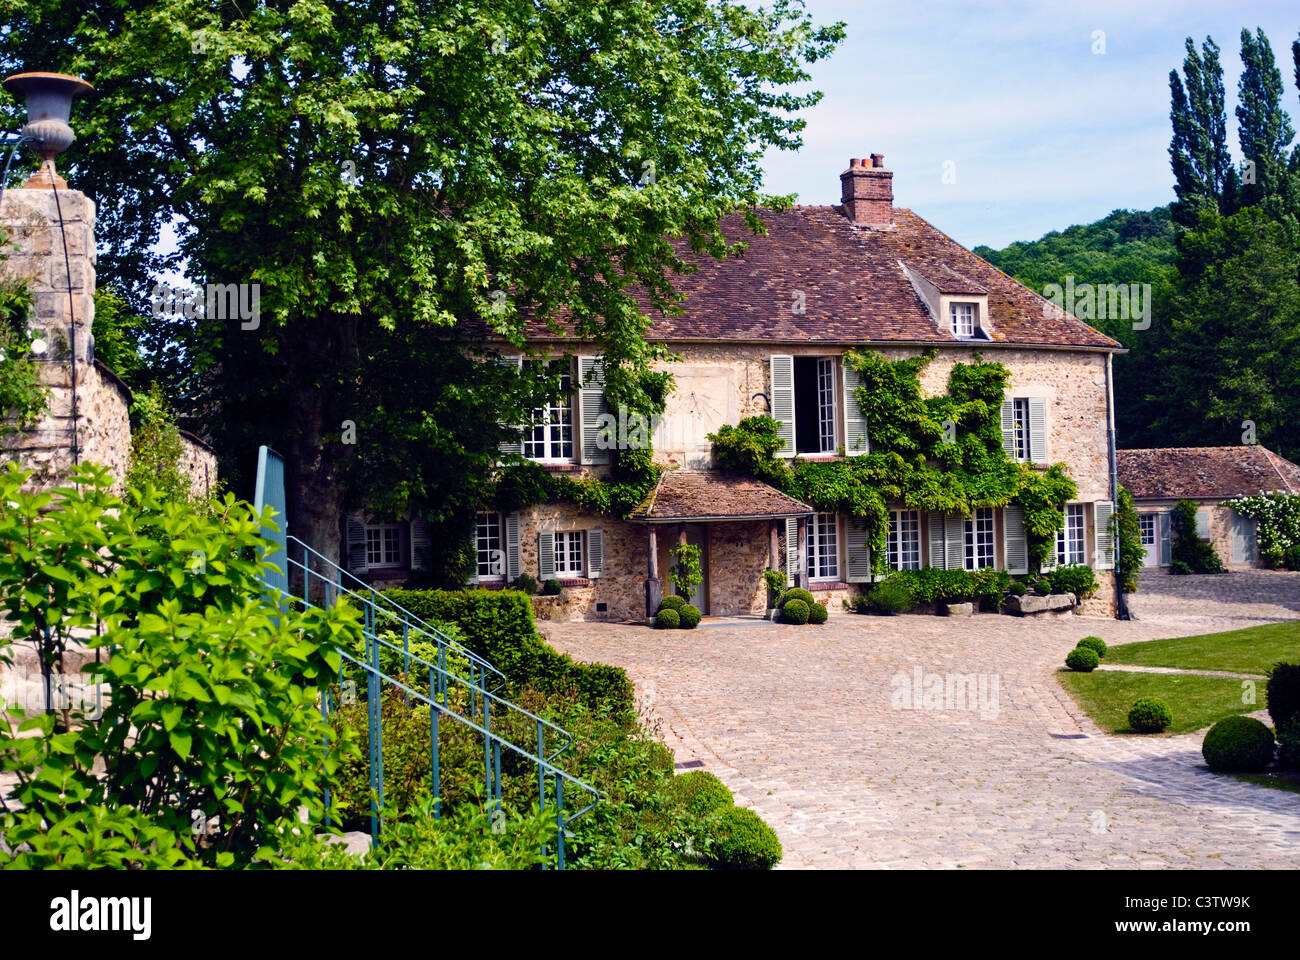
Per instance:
{"type": "Point", "coordinates": [591, 405]}
{"type": "Point", "coordinates": [1038, 430]}
{"type": "Point", "coordinates": [1103, 537]}
{"type": "Point", "coordinates": [782, 368]}
{"type": "Point", "coordinates": [1166, 540]}
{"type": "Point", "coordinates": [595, 553]}
{"type": "Point", "coordinates": [515, 447]}
{"type": "Point", "coordinates": [546, 555]}
{"type": "Point", "coordinates": [856, 441]}
{"type": "Point", "coordinates": [954, 535]}
{"type": "Point", "coordinates": [1009, 428]}
{"type": "Point", "coordinates": [513, 564]}
{"type": "Point", "coordinates": [1053, 543]}
{"type": "Point", "coordinates": [421, 545]}
{"type": "Point", "coordinates": [1015, 545]}
{"type": "Point", "coordinates": [934, 526]}
{"type": "Point", "coordinates": [791, 549]}
{"type": "Point", "coordinates": [857, 551]}
{"type": "Point", "coordinates": [1203, 523]}
{"type": "Point", "coordinates": [356, 545]}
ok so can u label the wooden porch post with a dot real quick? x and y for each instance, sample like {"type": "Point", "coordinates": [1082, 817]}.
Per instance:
{"type": "Point", "coordinates": [801, 575]}
{"type": "Point", "coordinates": [654, 590]}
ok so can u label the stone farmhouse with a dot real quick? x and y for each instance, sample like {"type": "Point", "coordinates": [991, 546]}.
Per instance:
{"type": "Point", "coordinates": [765, 333]}
{"type": "Point", "coordinates": [1159, 478]}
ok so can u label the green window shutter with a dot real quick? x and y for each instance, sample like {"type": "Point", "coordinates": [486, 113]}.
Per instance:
{"type": "Point", "coordinates": [954, 535]}
{"type": "Point", "coordinates": [782, 368]}
{"type": "Point", "coordinates": [356, 545]}
{"type": "Point", "coordinates": [421, 545]}
{"type": "Point", "coordinates": [546, 555]}
{"type": "Point", "coordinates": [791, 549]}
{"type": "Point", "coordinates": [515, 447]}
{"type": "Point", "coordinates": [1015, 545]}
{"type": "Point", "coordinates": [595, 553]}
{"type": "Point", "coordinates": [513, 564]}
{"type": "Point", "coordinates": [856, 441]}
{"type": "Point", "coordinates": [857, 551]}
{"type": "Point", "coordinates": [1038, 430]}
{"type": "Point", "coordinates": [934, 526]}
{"type": "Point", "coordinates": [1009, 428]}
{"type": "Point", "coordinates": [591, 405]}
{"type": "Point", "coordinates": [1103, 537]}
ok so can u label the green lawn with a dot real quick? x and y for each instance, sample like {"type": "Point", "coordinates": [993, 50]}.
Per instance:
{"type": "Point", "coordinates": [1280, 780]}
{"type": "Point", "coordinates": [1195, 701]}
{"type": "Point", "coordinates": [1252, 650]}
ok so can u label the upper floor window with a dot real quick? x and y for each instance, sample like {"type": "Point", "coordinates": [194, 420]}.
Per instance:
{"type": "Point", "coordinates": [814, 404]}
{"type": "Point", "coordinates": [904, 544]}
{"type": "Point", "coordinates": [490, 558]}
{"type": "Point", "coordinates": [1069, 539]}
{"type": "Point", "coordinates": [384, 545]}
{"type": "Point", "coordinates": [1020, 418]}
{"type": "Point", "coordinates": [551, 435]}
{"type": "Point", "coordinates": [979, 539]}
{"type": "Point", "coordinates": [963, 317]}
{"type": "Point", "coordinates": [823, 547]}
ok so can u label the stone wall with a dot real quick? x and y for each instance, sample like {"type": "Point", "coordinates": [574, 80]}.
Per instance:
{"type": "Point", "coordinates": [199, 463]}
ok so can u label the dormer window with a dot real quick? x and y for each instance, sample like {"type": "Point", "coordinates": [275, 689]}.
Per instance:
{"type": "Point", "coordinates": [964, 318]}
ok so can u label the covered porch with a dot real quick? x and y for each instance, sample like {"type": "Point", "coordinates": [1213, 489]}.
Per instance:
{"type": "Point", "coordinates": [735, 521]}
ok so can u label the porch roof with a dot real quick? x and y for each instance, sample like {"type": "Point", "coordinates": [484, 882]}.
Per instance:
{"type": "Point", "coordinates": [697, 496]}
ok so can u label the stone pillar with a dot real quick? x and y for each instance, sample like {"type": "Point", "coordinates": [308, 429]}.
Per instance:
{"type": "Point", "coordinates": [774, 545]}
{"type": "Point", "coordinates": [801, 575]}
{"type": "Point", "coordinates": [654, 589]}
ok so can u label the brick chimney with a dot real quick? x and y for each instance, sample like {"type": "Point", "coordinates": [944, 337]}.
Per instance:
{"type": "Point", "coordinates": [867, 192]}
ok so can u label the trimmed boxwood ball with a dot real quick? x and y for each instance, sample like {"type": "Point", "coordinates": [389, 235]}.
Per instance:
{"type": "Point", "coordinates": [797, 593]}
{"type": "Point", "coordinates": [1283, 692]}
{"type": "Point", "coordinates": [818, 613]}
{"type": "Point", "coordinates": [672, 602]}
{"type": "Point", "coordinates": [667, 619]}
{"type": "Point", "coordinates": [1082, 659]}
{"type": "Point", "coordinates": [742, 841]}
{"type": "Point", "coordinates": [1288, 742]}
{"type": "Point", "coordinates": [794, 611]}
{"type": "Point", "coordinates": [689, 616]}
{"type": "Point", "coordinates": [701, 793]}
{"type": "Point", "coordinates": [1149, 715]}
{"type": "Point", "coordinates": [1238, 743]}
{"type": "Point", "coordinates": [1095, 644]}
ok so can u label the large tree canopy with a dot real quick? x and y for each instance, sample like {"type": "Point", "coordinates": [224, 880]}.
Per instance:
{"type": "Point", "coordinates": [381, 170]}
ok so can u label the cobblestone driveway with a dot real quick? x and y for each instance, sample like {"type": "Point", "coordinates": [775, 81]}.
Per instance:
{"type": "Point", "coordinates": [798, 722]}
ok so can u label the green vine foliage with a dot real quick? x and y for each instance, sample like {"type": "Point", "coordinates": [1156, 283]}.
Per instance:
{"type": "Point", "coordinates": [1277, 522]}
{"type": "Point", "coordinates": [22, 397]}
{"type": "Point", "coordinates": [941, 453]}
{"type": "Point", "coordinates": [1127, 530]}
{"type": "Point", "coordinates": [686, 573]}
{"type": "Point", "coordinates": [632, 475]}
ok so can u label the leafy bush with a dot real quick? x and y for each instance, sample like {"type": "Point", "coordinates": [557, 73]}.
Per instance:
{"type": "Point", "coordinates": [797, 593]}
{"type": "Point", "coordinates": [795, 611]}
{"type": "Point", "coordinates": [931, 585]}
{"type": "Point", "coordinates": [689, 616]}
{"type": "Point", "coordinates": [1283, 692]}
{"type": "Point", "coordinates": [818, 613]}
{"type": "Point", "coordinates": [701, 793]}
{"type": "Point", "coordinates": [1096, 644]}
{"type": "Point", "coordinates": [1288, 740]}
{"type": "Point", "coordinates": [742, 841]}
{"type": "Point", "coordinates": [1126, 528]}
{"type": "Point", "coordinates": [1238, 743]}
{"type": "Point", "coordinates": [1082, 659]}
{"type": "Point", "coordinates": [1017, 588]}
{"type": "Point", "coordinates": [1074, 578]}
{"type": "Point", "coordinates": [667, 619]}
{"type": "Point", "coordinates": [1149, 715]}
{"type": "Point", "coordinates": [889, 597]}
{"type": "Point", "coordinates": [1189, 553]}
{"type": "Point", "coordinates": [686, 574]}
{"type": "Point", "coordinates": [552, 588]}
{"type": "Point", "coordinates": [525, 582]}
{"type": "Point", "coordinates": [1291, 558]}
{"type": "Point", "coordinates": [672, 602]}
{"type": "Point", "coordinates": [774, 580]}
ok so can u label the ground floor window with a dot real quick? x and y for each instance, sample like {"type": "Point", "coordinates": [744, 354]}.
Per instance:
{"type": "Point", "coordinates": [904, 539]}
{"type": "Point", "coordinates": [979, 539]}
{"type": "Point", "coordinates": [1147, 521]}
{"type": "Point", "coordinates": [568, 554]}
{"type": "Point", "coordinates": [823, 547]}
{"type": "Point", "coordinates": [487, 543]}
{"type": "Point", "coordinates": [384, 545]}
{"type": "Point", "coordinates": [1069, 539]}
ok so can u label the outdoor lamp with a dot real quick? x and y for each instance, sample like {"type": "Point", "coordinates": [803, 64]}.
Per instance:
{"type": "Point", "coordinates": [49, 107]}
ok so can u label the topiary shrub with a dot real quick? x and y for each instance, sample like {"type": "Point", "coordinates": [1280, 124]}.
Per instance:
{"type": "Point", "coordinates": [1291, 558]}
{"type": "Point", "coordinates": [1082, 659]}
{"type": "Point", "coordinates": [1288, 742]}
{"type": "Point", "coordinates": [672, 602]}
{"type": "Point", "coordinates": [701, 793]}
{"type": "Point", "coordinates": [1017, 588]}
{"type": "Point", "coordinates": [1238, 743]}
{"type": "Point", "coordinates": [794, 611]}
{"type": "Point", "coordinates": [1149, 715]}
{"type": "Point", "coordinates": [667, 619]}
{"type": "Point", "coordinates": [1075, 578]}
{"type": "Point", "coordinates": [890, 597]}
{"type": "Point", "coordinates": [818, 613]}
{"type": "Point", "coordinates": [525, 582]}
{"type": "Point", "coordinates": [1283, 692]}
{"type": "Point", "coordinates": [689, 617]}
{"type": "Point", "coordinates": [797, 593]}
{"type": "Point", "coordinates": [742, 841]}
{"type": "Point", "coordinates": [552, 588]}
{"type": "Point", "coordinates": [1096, 644]}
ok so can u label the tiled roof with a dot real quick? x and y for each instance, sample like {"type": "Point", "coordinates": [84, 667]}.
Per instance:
{"type": "Point", "coordinates": [691, 495]}
{"type": "Point", "coordinates": [852, 286]}
{"type": "Point", "coordinates": [1212, 473]}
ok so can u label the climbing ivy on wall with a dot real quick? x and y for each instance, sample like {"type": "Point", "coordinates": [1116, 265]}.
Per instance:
{"type": "Point", "coordinates": [631, 478]}
{"type": "Point", "coordinates": [22, 397]}
{"type": "Point", "coordinates": [940, 453]}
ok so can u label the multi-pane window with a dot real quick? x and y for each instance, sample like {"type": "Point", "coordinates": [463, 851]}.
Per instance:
{"type": "Point", "coordinates": [963, 319]}
{"type": "Point", "coordinates": [384, 545]}
{"type": "Point", "coordinates": [823, 547]}
{"type": "Point", "coordinates": [551, 435]}
{"type": "Point", "coordinates": [1147, 523]}
{"type": "Point", "coordinates": [1020, 416]}
{"type": "Point", "coordinates": [568, 554]}
{"type": "Point", "coordinates": [491, 558]}
{"type": "Point", "coordinates": [979, 539]}
{"type": "Point", "coordinates": [905, 539]}
{"type": "Point", "coordinates": [826, 403]}
{"type": "Point", "coordinates": [1069, 539]}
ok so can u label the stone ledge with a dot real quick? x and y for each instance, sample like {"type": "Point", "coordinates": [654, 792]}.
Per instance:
{"type": "Point", "coordinates": [1030, 604]}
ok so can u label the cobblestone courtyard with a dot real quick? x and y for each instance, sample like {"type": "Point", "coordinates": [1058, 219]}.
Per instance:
{"type": "Point", "coordinates": [798, 722]}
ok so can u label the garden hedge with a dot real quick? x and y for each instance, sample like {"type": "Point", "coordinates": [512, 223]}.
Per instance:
{"type": "Point", "coordinates": [1283, 692]}
{"type": "Point", "coordinates": [742, 841]}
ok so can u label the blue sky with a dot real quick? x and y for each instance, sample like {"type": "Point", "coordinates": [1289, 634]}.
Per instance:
{"type": "Point", "coordinates": [1042, 132]}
